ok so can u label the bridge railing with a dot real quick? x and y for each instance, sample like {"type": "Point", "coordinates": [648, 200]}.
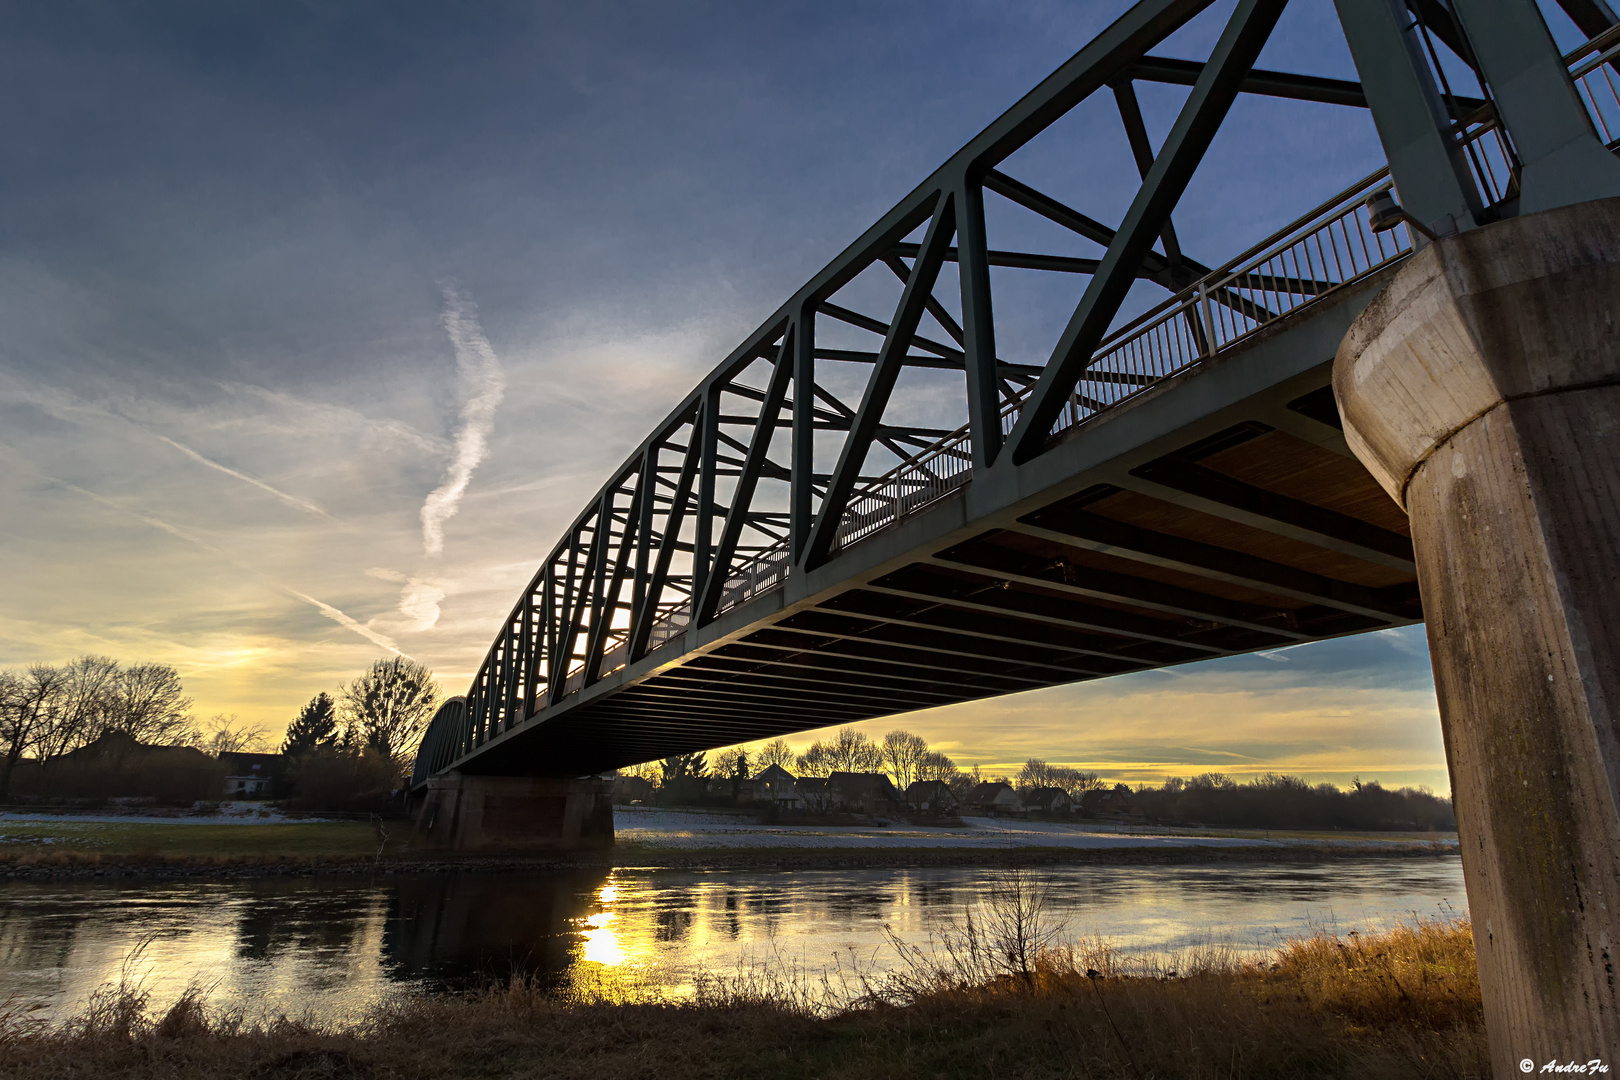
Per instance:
{"type": "Point", "coordinates": [935, 471]}
{"type": "Point", "coordinates": [758, 574]}
{"type": "Point", "coordinates": [1328, 248]}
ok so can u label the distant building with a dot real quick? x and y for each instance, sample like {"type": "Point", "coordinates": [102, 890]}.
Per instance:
{"type": "Point", "coordinates": [629, 789]}
{"type": "Point", "coordinates": [775, 786]}
{"type": "Point", "coordinates": [932, 796]}
{"type": "Point", "coordinates": [249, 775]}
{"type": "Point", "coordinates": [1048, 800]}
{"type": "Point", "coordinates": [993, 797]}
{"type": "Point", "coordinates": [1114, 803]}
{"type": "Point", "coordinates": [864, 793]}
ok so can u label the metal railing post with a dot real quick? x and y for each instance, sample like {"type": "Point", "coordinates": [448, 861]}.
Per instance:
{"type": "Point", "coordinates": [1205, 318]}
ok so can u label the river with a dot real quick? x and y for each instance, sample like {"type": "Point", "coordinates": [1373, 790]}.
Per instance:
{"type": "Point", "coordinates": [332, 947]}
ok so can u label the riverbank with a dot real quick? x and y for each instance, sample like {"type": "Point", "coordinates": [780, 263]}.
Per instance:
{"type": "Point", "coordinates": [61, 847]}
{"type": "Point", "coordinates": [1400, 1003]}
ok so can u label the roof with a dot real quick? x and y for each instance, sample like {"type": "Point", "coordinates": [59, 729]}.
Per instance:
{"type": "Point", "coordinates": [121, 743]}
{"type": "Point", "coordinates": [774, 772]}
{"type": "Point", "coordinates": [1045, 795]}
{"type": "Point", "coordinates": [860, 785]}
{"type": "Point", "coordinates": [245, 760]}
{"type": "Point", "coordinates": [924, 789]}
{"type": "Point", "coordinates": [987, 791]}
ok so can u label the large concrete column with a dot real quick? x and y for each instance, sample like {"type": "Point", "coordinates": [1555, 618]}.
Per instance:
{"type": "Point", "coordinates": [1482, 389]}
{"type": "Point", "coordinates": [513, 814]}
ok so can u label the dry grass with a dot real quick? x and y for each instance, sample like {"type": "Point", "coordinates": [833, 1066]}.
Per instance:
{"type": "Point", "coordinates": [75, 843]}
{"type": "Point", "coordinates": [992, 998]}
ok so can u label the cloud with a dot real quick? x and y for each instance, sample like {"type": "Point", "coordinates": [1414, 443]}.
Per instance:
{"type": "Point", "coordinates": [482, 386]}
{"type": "Point", "coordinates": [418, 600]}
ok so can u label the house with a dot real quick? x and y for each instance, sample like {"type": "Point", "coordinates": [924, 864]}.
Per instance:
{"type": "Point", "coordinates": [993, 797]}
{"type": "Point", "coordinates": [775, 786]}
{"type": "Point", "coordinates": [932, 796]}
{"type": "Point", "coordinates": [864, 793]}
{"type": "Point", "coordinates": [249, 775]}
{"type": "Point", "coordinates": [1048, 800]}
{"type": "Point", "coordinates": [1115, 803]}
{"type": "Point", "coordinates": [815, 793]}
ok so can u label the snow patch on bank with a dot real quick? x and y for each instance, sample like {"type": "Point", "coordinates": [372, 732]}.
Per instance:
{"type": "Point", "coordinates": [686, 829]}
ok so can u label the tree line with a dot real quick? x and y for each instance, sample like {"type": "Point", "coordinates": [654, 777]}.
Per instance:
{"type": "Point", "coordinates": [1274, 801]}
{"type": "Point", "coordinates": [904, 757]}
{"type": "Point", "coordinates": [1270, 801]}
{"type": "Point", "coordinates": [47, 711]}
{"type": "Point", "coordinates": [95, 726]}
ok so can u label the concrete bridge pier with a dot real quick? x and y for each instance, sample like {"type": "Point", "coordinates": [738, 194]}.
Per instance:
{"type": "Point", "coordinates": [495, 814]}
{"type": "Point", "coordinates": [1482, 389]}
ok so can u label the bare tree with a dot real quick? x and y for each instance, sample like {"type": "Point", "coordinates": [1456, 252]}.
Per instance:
{"type": "Point", "coordinates": [84, 697]}
{"type": "Point", "coordinates": [49, 710]}
{"type": "Point", "coordinates": [936, 765]}
{"type": "Point", "coordinates": [903, 753]}
{"type": "Point", "coordinates": [815, 761]}
{"type": "Point", "coordinates": [1077, 783]}
{"type": "Point", "coordinates": [27, 705]}
{"type": "Point", "coordinates": [775, 752]}
{"type": "Point", "coordinates": [1035, 774]}
{"type": "Point", "coordinates": [848, 751]}
{"type": "Point", "coordinates": [228, 735]}
{"type": "Point", "coordinates": [146, 702]}
{"type": "Point", "coordinates": [852, 751]}
{"type": "Point", "coordinates": [389, 707]}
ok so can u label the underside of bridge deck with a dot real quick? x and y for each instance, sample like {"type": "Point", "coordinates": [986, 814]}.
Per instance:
{"type": "Point", "coordinates": [1246, 526]}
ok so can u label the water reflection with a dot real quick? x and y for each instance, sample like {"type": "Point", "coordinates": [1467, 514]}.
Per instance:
{"type": "Point", "coordinates": [450, 932]}
{"type": "Point", "coordinates": [333, 947]}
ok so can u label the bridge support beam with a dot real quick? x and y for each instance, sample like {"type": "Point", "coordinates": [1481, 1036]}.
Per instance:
{"type": "Point", "coordinates": [513, 814]}
{"type": "Point", "coordinates": [1482, 389]}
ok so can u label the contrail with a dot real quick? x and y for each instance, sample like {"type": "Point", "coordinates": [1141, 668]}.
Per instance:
{"type": "Point", "coordinates": [347, 623]}
{"type": "Point", "coordinates": [158, 523]}
{"type": "Point", "coordinates": [482, 386]}
{"type": "Point", "coordinates": [291, 500]}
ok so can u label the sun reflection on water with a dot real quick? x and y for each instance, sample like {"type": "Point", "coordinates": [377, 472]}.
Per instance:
{"type": "Point", "coordinates": [600, 936]}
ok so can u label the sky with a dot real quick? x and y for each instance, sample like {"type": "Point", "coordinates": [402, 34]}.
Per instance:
{"type": "Point", "coordinates": [324, 319]}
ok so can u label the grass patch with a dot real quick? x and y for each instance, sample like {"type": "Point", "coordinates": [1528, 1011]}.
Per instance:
{"type": "Point", "coordinates": [28, 842]}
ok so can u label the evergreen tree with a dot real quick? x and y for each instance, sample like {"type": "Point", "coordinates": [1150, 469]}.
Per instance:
{"type": "Point", "coordinates": [315, 728]}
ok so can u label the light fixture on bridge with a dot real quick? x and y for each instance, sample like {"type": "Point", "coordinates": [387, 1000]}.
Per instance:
{"type": "Point", "coordinates": [1384, 213]}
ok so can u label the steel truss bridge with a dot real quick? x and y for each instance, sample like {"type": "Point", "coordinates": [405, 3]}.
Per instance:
{"type": "Point", "coordinates": [867, 508]}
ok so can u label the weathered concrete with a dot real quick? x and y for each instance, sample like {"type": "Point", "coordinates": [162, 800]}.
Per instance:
{"type": "Point", "coordinates": [1482, 389]}
{"type": "Point", "coordinates": [514, 814]}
